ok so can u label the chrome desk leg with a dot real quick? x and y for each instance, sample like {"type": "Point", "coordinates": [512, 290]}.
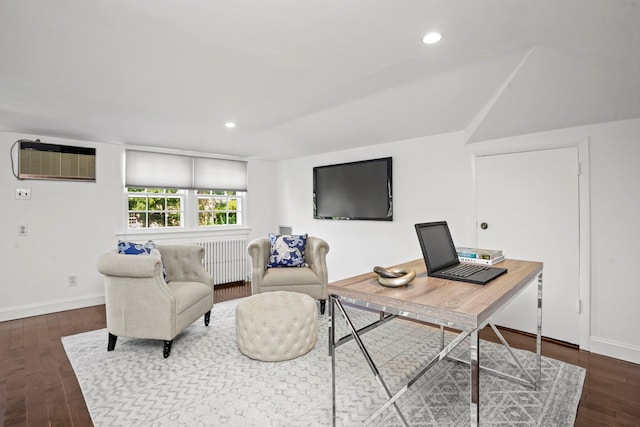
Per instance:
{"type": "Point", "coordinates": [369, 360]}
{"type": "Point", "coordinates": [332, 356]}
{"type": "Point", "coordinates": [435, 359]}
{"type": "Point", "coordinates": [532, 382]}
{"type": "Point", "coordinates": [475, 377]}
{"type": "Point", "coordinates": [539, 333]}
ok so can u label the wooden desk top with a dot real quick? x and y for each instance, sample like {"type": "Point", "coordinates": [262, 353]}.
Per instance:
{"type": "Point", "coordinates": [448, 302]}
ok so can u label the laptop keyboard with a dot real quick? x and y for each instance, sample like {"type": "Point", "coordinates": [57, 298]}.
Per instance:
{"type": "Point", "coordinates": [465, 270]}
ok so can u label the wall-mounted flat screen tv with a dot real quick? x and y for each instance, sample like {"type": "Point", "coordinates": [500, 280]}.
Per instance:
{"type": "Point", "coordinates": [357, 190]}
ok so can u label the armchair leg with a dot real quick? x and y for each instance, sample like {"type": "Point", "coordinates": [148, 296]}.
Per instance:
{"type": "Point", "coordinates": [323, 304]}
{"type": "Point", "coordinates": [167, 348]}
{"type": "Point", "coordinates": [207, 317]}
{"type": "Point", "coordinates": [112, 342]}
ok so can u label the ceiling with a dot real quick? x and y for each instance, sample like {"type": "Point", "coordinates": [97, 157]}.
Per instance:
{"type": "Point", "coordinates": [305, 77]}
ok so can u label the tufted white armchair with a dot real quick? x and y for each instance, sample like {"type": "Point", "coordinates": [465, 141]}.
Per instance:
{"type": "Point", "coordinates": [139, 302]}
{"type": "Point", "coordinates": [311, 280]}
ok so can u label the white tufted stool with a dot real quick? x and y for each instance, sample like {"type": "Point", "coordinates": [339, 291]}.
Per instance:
{"type": "Point", "coordinates": [275, 326]}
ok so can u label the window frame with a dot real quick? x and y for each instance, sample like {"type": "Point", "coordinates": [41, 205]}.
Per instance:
{"type": "Point", "coordinates": [215, 194]}
{"type": "Point", "coordinates": [190, 214]}
{"type": "Point", "coordinates": [165, 212]}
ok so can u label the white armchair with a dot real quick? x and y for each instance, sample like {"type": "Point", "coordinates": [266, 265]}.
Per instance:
{"type": "Point", "coordinates": [141, 304]}
{"type": "Point", "coordinates": [311, 280]}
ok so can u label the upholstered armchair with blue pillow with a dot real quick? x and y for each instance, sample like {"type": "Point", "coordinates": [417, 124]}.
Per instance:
{"type": "Point", "coordinates": [154, 292]}
{"type": "Point", "coordinates": [295, 263]}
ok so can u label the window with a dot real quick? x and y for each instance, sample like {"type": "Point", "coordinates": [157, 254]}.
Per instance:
{"type": "Point", "coordinates": [219, 208]}
{"type": "Point", "coordinates": [164, 208]}
{"type": "Point", "coordinates": [154, 203]}
{"type": "Point", "coordinates": [155, 207]}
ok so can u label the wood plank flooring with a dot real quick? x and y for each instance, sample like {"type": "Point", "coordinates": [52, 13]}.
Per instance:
{"type": "Point", "coordinates": [611, 391]}
{"type": "Point", "coordinates": [38, 386]}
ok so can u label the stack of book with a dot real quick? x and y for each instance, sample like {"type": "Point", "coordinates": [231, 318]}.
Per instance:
{"type": "Point", "coordinates": [480, 256]}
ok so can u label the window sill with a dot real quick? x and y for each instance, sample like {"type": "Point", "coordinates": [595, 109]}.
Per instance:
{"type": "Point", "coordinates": [181, 235]}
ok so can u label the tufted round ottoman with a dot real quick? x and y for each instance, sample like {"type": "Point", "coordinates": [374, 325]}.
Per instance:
{"type": "Point", "coordinates": [276, 326]}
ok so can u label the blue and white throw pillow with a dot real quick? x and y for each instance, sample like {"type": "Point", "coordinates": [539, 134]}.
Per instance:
{"type": "Point", "coordinates": [287, 250]}
{"type": "Point", "coordinates": [149, 249]}
{"type": "Point", "coordinates": [130, 248]}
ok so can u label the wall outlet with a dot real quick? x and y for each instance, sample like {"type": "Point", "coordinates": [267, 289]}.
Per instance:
{"type": "Point", "coordinates": [23, 194]}
{"type": "Point", "coordinates": [73, 280]}
{"type": "Point", "coordinates": [23, 230]}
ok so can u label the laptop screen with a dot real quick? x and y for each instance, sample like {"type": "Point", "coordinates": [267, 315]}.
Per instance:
{"type": "Point", "coordinates": [436, 244]}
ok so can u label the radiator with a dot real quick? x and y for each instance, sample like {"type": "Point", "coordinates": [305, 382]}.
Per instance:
{"type": "Point", "coordinates": [226, 260]}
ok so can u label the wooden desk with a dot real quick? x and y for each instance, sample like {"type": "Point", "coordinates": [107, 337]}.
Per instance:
{"type": "Point", "coordinates": [463, 306]}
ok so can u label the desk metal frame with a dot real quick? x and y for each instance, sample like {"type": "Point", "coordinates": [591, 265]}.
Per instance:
{"type": "Point", "coordinates": [389, 313]}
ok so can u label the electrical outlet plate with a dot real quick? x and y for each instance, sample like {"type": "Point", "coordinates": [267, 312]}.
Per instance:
{"type": "Point", "coordinates": [23, 194]}
{"type": "Point", "coordinates": [23, 230]}
{"type": "Point", "coordinates": [73, 280]}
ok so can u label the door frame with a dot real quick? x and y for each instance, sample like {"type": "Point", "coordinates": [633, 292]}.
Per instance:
{"type": "Point", "coordinates": [529, 143]}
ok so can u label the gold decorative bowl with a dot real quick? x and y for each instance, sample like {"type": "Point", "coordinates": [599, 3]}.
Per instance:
{"type": "Point", "coordinates": [393, 277]}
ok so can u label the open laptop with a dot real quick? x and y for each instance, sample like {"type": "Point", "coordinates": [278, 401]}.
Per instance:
{"type": "Point", "coordinates": [441, 257]}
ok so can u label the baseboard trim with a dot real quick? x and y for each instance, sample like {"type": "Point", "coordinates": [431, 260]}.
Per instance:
{"type": "Point", "coordinates": [229, 291]}
{"type": "Point", "coordinates": [20, 312]}
{"type": "Point", "coordinates": [615, 349]}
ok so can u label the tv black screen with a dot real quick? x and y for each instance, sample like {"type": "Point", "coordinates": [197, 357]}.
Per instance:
{"type": "Point", "coordinates": [357, 190]}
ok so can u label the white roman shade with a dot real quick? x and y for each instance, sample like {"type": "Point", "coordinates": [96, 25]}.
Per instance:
{"type": "Point", "coordinates": [217, 174]}
{"type": "Point", "coordinates": [145, 169]}
{"type": "Point", "coordinates": [159, 170]}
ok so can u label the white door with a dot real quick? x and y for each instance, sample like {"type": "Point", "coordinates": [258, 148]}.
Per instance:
{"type": "Point", "coordinates": [529, 203]}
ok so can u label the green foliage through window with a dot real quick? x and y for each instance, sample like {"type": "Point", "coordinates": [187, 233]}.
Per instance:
{"type": "Point", "coordinates": [169, 208]}
{"type": "Point", "coordinates": [216, 208]}
{"type": "Point", "coordinates": [155, 207]}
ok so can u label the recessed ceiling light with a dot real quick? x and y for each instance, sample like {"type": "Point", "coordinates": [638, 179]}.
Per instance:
{"type": "Point", "coordinates": [230, 125]}
{"type": "Point", "coordinates": [432, 38]}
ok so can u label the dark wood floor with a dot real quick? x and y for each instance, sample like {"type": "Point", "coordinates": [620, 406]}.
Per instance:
{"type": "Point", "coordinates": [38, 386]}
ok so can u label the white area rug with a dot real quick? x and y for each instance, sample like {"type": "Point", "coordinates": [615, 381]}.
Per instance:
{"type": "Point", "coordinates": [207, 382]}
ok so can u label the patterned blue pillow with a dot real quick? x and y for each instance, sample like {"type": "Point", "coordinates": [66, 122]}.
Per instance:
{"type": "Point", "coordinates": [130, 248]}
{"type": "Point", "coordinates": [287, 250]}
{"type": "Point", "coordinates": [149, 249]}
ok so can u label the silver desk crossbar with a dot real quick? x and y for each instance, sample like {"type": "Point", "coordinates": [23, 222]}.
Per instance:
{"type": "Point", "coordinates": [392, 313]}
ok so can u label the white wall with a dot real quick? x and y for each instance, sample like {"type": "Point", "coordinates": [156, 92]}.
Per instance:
{"type": "Point", "coordinates": [261, 218]}
{"type": "Point", "coordinates": [68, 224]}
{"type": "Point", "coordinates": [71, 223]}
{"type": "Point", "coordinates": [615, 234]}
{"type": "Point", "coordinates": [425, 171]}
{"type": "Point", "coordinates": [424, 165]}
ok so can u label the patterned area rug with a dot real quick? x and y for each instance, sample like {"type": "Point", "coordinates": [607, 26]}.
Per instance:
{"type": "Point", "coordinates": [207, 382]}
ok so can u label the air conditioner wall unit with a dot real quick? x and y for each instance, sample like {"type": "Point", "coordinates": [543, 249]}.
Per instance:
{"type": "Point", "coordinates": [37, 160]}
